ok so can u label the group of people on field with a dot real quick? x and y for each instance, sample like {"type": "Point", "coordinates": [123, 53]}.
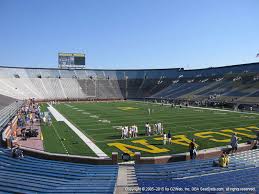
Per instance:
{"type": "Point", "coordinates": [167, 138]}
{"type": "Point", "coordinates": [129, 131]}
{"type": "Point", "coordinates": [132, 131]}
{"type": "Point", "coordinates": [157, 129]}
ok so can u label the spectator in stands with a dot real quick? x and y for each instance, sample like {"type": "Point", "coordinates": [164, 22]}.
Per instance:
{"type": "Point", "coordinates": [234, 143]}
{"type": "Point", "coordinates": [20, 121]}
{"type": "Point", "coordinates": [223, 160]}
{"type": "Point", "coordinates": [27, 119]}
{"type": "Point", "coordinates": [193, 149]}
{"type": "Point", "coordinates": [17, 152]}
{"type": "Point", "coordinates": [31, 116]}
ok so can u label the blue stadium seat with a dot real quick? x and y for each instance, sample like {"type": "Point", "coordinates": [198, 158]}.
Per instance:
{"type": "Point", "coordinates": [242, 172]}
{"type": "Point", "coordinates": [33, 175]}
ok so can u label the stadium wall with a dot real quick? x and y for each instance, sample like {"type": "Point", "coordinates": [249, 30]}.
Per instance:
{"type": "Point", "coordinates": [202, 154]}
{"type": "Point", "coordinates": [71, 158]}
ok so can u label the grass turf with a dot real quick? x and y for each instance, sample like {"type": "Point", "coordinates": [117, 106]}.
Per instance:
{"type": "Point", "coordinates": [59, 138]}
{"type": "Point", "coordinates": [98, 121]}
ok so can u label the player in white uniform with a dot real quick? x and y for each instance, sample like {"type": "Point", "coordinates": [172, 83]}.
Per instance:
{"type": "Point", "coordinates": [130, 132]}
{"type": "Point", "coordinates": [164, 138]}
{"type": "Point", "coordinates": [159, 128]}
{"type": "Point", "coordinates": [149, 130]}
{"type": "Point", "coordinates": [136, 130]}
{"type": "Point", "coordinates": [122, 133]}
{"type": "Point", "coordinates": [146, 128]}
{"type": "Point", "coordinates": [126, 131]}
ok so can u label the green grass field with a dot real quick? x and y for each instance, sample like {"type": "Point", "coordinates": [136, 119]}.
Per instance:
{"type": "Point", "coordinates": [59, 138]}
{"type": "Point", "coordinates": [100, 121]}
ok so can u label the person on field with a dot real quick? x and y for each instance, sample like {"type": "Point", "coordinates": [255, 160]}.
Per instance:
{"type": "Point", "coordinates": [126, 132]}
{"type": "Point", "coordinates": [193, 149]}
{"type": "Point", "coordinates": [155, 129]}
{"type": "Point", "coordinates": [162, 129]}
{"type": "Point", "coordinates": [49, 121]}
{"type": "Point", "coordinates": [146, 128]}
{"type": "Point", "coordinates": [136, 130]}
{"type": "Point", "coordinates": [149, 130]}
{"type": "Point", "coordinates": [122, 133]}
{"type": "Point", "coordinates": [164, 138]}
{"type": "Point", "coordinates": [159, 128]}
{"type": "Point", "coordinates": [130, 132]}
{"type": "Point", "coordinates": [234, 143]}
{"type": "Point", "coordinates": [169, 136]}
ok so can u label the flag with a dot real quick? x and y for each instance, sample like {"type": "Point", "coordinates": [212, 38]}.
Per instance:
{"type": "Point", "coordinates": [257, 55]}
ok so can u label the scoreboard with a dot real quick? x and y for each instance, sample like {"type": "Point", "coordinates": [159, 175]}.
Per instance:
{"type": "Point", "coordinates": [71, 60]}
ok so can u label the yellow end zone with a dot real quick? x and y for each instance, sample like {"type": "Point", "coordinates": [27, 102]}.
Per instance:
{"type": "Point", "coordinates": [213, 136]}
{"type": "Point", "coordinates": [127, 108]}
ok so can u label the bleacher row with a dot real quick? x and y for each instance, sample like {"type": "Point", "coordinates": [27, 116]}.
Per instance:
{"type": "Point", "coordinates": [58, 88]}
{"type": "Point", "coordinates": [32, 175]}
{"type": "Point", "coordinates": [222, 88]}
{"type": "Point", "coordinates": [8, 108]}
{"type": "Point", "coordinates": [24, 83]}
{"type": "Point", "coordinates": [243, 172]}
{"type": "Point", "coordinates": [172, 73]}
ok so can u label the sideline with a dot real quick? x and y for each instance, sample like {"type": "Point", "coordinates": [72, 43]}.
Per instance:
{"type": "Point", "coordinates": [204, 108]}
{"type": "Point", "coordinates": [86, 140]}
{"type": "Point", "coordinates": [223, 110]}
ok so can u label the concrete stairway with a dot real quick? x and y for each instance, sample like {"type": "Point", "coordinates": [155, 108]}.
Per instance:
{"type": "Point", "coordinates": [126, 180]}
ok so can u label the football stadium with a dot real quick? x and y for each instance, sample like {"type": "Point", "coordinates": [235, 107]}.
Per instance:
{"type": "Point", "coordinates": [75, 128]}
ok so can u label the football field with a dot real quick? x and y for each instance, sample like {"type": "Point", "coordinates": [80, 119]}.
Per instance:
{"type": "Point", "coordinates": [102, 122]}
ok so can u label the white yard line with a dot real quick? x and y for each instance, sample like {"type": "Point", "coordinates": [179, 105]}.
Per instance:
{"type": "Point", "coordinates": [60, 138]}
{"type": "Point", "coordinates": [86, 140]}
